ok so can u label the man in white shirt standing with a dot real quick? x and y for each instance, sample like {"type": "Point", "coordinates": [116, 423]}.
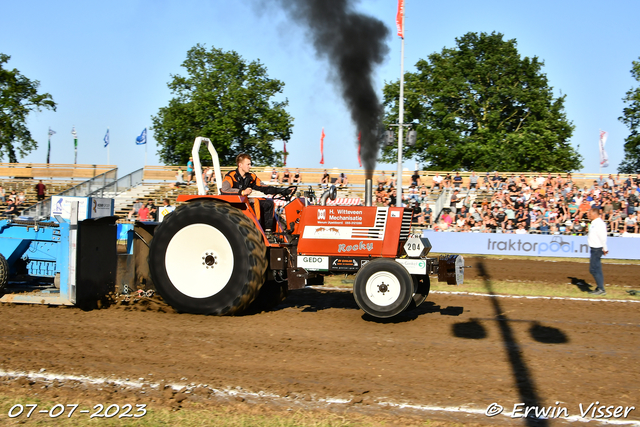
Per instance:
{"type": "Point", "coordinates": [597, 240]}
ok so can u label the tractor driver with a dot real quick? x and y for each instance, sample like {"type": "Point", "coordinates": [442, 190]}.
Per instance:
{"type": "Point", "coordinates": [242, 182]}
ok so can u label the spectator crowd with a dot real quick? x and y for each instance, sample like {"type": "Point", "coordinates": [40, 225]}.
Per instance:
{"type": "Point", "coordinates": [491, 203]}
{"type": "Point", "coordinates": [540, 204]}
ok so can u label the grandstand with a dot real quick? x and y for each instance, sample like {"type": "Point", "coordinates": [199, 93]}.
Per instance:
{"type": "Point", "coordinates": [420, 190]}
{"type": "Point", "coordinates": [22, 178]}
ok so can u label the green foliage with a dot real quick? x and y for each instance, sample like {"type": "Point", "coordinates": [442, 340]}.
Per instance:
{"type": "Point", "coordinates": [227, 100]}
{"type": "Point", "coordinates": [18, 97]}
{"type": "Point", "coordinates": [480, 106]}
{"type": "Point", "coordinates": [631, 118]}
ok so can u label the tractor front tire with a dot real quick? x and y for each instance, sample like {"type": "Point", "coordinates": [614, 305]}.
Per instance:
{"type": "Point", "coordinates": [207, 257]}
{"type": "Point", "coordinates": [421, 288]}
{"type": "Point", "coordinates": [383, 288]}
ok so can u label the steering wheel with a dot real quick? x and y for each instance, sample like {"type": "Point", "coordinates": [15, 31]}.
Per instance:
{"type": "Point", "coordinates": [291, 191]}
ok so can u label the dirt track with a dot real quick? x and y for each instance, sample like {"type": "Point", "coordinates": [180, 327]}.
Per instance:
{"type": "Point", "coordinates": [453, 351]}
{"type": "Point", "coordinates": [559, 272]}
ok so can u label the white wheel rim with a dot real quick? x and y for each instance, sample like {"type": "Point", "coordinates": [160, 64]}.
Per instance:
{"type": "Point", "coordinates": [383, 288]}
{"type": "Point", "coordinates": [199, 261]}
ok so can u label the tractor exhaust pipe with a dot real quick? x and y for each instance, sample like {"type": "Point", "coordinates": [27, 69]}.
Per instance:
{"type": "Point", "coordinates": [368, 190]}
{"type": "Point", "coordinates": [330, 194]}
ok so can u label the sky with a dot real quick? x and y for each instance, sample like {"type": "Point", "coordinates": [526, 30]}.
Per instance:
{"type": "Point", "coordinates": [107, 65]}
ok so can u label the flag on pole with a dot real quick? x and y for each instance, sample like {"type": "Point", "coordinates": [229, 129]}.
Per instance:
{"type": "Point", "coordinates": [51, 132]}
{"type": "Point", "coordinates": [75, 145]}
{"type": "Point", "coordinates": [106, 138]}
{"type": "Point", "coordinates": [322, 147]}
{"type": "Point", "coordinates": [359, 147]}
{"type": "Point", "coordinates": [400, 18]}
{"type": "Point", "coordinates": [285, 152]}
{"type": "Point", "coordinates": [142, 139]}
{"type": "Point", "coordinates": [604, 159]}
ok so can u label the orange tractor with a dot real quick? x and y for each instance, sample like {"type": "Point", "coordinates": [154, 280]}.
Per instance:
{"type": "Point", "coordinates": [211, 256]}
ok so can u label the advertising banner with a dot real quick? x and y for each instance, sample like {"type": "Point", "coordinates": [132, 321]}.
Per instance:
{"type": "Point", "coordinates": [528, 245]}
{"type": "Point", "coordinates": [61, 206]}
{"type": "Point", "coordinates": [100, 207]}
{"type": "Point", "coordinates": [88, 207]}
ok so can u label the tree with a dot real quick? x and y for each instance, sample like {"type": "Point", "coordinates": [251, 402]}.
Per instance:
{"type": "Point", "coordinates": [631, 118]}
{"type": "Point", "coordinates": [480, 106]}
{"type": "Point", "coordinates": [227, 100]}
{"type": "Point", "coordinates": [18, 97]}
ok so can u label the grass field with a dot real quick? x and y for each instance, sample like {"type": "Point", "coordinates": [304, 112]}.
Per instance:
{"type": "Point", "coordinates": [533, 289]}
{"type": "Point", "coordinates": [605, 260]}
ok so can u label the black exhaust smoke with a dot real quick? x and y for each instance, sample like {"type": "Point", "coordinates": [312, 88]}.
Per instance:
{"type": "Point", "coordinates": [354, 44]}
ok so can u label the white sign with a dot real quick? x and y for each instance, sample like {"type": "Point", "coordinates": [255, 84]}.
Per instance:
{"type": "Point", "coordinates": [414, 266]}
{"type": "Point", "coordinates": [100, 207]}
{"type": "Point", "coordinates": [313, 263]}
{"type": "Point", "coordinates": [164, 211]}
{"type": "Point", "coordinates": [61, 206]}
{"type": "Point", "coordinates": [415, 246]}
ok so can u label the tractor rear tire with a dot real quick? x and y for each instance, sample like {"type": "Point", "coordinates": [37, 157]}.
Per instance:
{"type": "Point", "coordinates": [4, 273]}
{"type": "Point", "coordinates": [383, 288]}
{"type": "Point", "coordinates": [207, 257]}
{"type": "Point", "coordinates": [421, 288]}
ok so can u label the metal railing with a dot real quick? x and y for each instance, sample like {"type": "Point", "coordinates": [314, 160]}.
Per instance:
{"type": "Point", "coordinates": [442, 199]}
{"type": "Point", "coordinates": [122, 184]}
{"type": "Point", "coordinates": [85, 189]}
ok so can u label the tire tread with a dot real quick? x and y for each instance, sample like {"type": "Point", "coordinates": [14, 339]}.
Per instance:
{"type": "Point", "coordinates": [253, 241]}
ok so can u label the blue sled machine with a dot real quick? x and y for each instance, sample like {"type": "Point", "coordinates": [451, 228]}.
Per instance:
{"type": "Point", "coordinates": [59, 261]}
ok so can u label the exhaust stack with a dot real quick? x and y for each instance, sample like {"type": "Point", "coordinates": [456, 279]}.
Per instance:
{"type": "Point", "coordinates": [368, 190]}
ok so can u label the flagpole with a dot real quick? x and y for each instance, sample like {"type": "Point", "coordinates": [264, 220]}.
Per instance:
{"type": "Point", "coordinates": [400, 118]}
{"type": "Point", "coordinates": [142, 139]}
{"type": "Point", "coordinates": [49, 146]}
{"type": "Point", "coordinates": [600, 150]}
{"type": "Point", "coordinates": [322, 135]}
{"type": "Point", "coordinates": [285, 152]}
{"type": "Point", "coordinates": [108, 147]}
{"type": "Point", "coordinates": [51, 132]}
{"type": "Point", "coordinates": [75, 145]}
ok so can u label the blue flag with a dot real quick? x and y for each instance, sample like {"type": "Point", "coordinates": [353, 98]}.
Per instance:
{"type": "Point", "coordinates": [106, 138]}
{"type": "Point", "coordinates": [142, 139]}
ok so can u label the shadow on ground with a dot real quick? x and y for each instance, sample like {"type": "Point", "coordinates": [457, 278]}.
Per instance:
{"type": "Point", "coordinates": [426, 307]}
{"type": "Point", "coordinates": [522, 375]}
{"type": "Point", "coordinates": [581, 284]}
{"type": "Point", "coordinates": [313, 300]}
